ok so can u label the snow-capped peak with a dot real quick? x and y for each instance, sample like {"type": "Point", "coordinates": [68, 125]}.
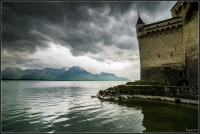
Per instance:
{"type": "Point", "coordinates": [65, 68]}
{"type": "Point", "coordinates": [77, 67]}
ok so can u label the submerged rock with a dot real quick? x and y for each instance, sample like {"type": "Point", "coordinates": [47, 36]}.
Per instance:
{"type": "Point", "coordinates": [93, 96]}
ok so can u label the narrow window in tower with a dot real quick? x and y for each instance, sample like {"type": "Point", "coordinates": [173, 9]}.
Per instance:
{"type": "Point", "coordinates": [139, 30]}
{"type": "Point", "coordinates": [157, 25]}
{"type": "Point", "coordinates": [158, 55]}
{"type": "Point", "coordinates": [171, 54]}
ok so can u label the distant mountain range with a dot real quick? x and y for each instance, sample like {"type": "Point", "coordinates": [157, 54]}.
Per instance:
{"type": "Point", "coordinates": [74, 73]}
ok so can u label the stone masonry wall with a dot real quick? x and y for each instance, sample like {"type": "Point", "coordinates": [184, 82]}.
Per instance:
{"type": "Point", "coordinates": [168, 76]}
{"type": "Point", "coordinates": [191, 38]}
{"type": "Point", "coordinates": [161, 48]}
{"type": "Point", "coordinates": [168, 91]}
{"type": "Point", "coordinates": [152, 74]}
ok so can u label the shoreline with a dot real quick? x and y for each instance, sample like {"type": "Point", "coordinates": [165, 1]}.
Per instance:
{"type": "Point", "coordinates": [57, 80]}
{"type": "Point", "coordinates": [172, 99]}
{"type": "Point", "coordinates": [159, 98]}
{"type": "Point", "coordinates": [177, 94]}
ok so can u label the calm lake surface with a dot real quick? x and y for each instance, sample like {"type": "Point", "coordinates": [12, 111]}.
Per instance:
{"type": "Point", "coordinates": [67, 106]}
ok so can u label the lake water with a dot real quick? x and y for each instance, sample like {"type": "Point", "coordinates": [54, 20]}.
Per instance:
{"type": "Point", "coordinates": [67, 106]}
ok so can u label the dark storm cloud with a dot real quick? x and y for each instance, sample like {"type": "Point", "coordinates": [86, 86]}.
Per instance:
{"type": "Point", "coordinates": [120, 7]}
{"type": "Point", "coordinates": [79, 26]}
{"type": "Point", "coordinates": [154, 9]}
{"type": "Point", "coordinates": [17, 23]}
{"type": "Point", "coordinates": [151, 6]}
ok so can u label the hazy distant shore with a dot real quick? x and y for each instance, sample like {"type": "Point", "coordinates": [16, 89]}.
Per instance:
{"type": "Point", "coordinates": [55, 80]}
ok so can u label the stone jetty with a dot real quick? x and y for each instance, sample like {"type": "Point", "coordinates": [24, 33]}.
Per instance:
{"type": "Point", "coordinates": [177, 94]}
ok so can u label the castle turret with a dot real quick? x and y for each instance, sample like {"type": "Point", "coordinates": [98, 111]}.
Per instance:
{"type": "Point", "coordinates": [139, 26]}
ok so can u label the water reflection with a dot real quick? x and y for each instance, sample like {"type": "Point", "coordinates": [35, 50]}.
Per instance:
{"type": "Point", "coordinates": [160, 116]}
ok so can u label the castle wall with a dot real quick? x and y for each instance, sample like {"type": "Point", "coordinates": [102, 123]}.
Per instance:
{"type": "Point", "coordinates": [158, 51]}
{"type": "Point", "coordinates": [191, 38]}
{"type": "Point", "coordinates": [165, 75]}
{"type": "Point", "coordinates": [169, 49]}
{"type": "Point", "coordinates": [152, 74]}
{"type": "Point", "coordinates": [161, 48]}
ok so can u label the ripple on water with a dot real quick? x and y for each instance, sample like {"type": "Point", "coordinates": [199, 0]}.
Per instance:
{"type": "Point", "coordinates": [94, 111]}
{"type": "Point", "coordinates": [61, 119]}
{"type": "Point", "coordinates": [83, 107]}
{"type": "Point", "coordinates": [36, 121]}
{"type": "Point", "coordinates": [66, 109]}
{"type": "Point", "coordinates": [66, 125]}
{"type": "Point", "coordinates": [13, 116]}
{"type": "Point", "coordinates": [49, 118]}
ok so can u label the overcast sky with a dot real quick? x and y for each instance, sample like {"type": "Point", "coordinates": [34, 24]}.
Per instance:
{"type": "Point", "coordinates": [98, 36]}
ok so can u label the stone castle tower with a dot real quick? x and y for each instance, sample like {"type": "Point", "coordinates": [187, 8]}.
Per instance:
{"type": "Point", "coordinates": [169, 48]}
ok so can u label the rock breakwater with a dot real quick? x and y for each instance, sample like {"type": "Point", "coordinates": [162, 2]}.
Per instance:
{"type": "Point", "coordinates": [166, 93]}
